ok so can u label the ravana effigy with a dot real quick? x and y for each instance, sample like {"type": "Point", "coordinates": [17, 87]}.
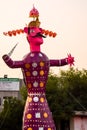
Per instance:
{"type": "Point", "coordinates": [35, 68]}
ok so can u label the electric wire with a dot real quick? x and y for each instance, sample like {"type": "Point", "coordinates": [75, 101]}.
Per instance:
{"type": "Point", "coordinates": [75, 99]}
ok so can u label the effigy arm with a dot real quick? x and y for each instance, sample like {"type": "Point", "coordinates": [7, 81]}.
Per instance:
{"type": "Point", "coordinates": [60, 62]}
{"type": "Point", "coordinates": [69, 60]}
{"type": "Point", "coordinates": [11, 63]}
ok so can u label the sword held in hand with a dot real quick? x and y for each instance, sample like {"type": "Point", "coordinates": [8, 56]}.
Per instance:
{"type": "Point", "coordinates": [10, 53]}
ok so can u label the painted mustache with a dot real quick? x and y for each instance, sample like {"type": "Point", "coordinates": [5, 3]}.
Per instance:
{"type": "Point", "coordinates": [39, 35]}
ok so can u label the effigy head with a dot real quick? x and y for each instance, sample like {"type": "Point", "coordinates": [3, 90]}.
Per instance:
{"type": "Point", "coordinates": [34, 32]}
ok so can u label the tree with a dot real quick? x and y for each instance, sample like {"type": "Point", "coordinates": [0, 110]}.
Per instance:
{"type": "Point", "coordinates": [67, 93]}
{"type": "Point", "coordinates": [23, 92]}
{"type": "Point", "coordinates": [11, 115]}
{"type": "Point", "coordinates": [76, 86]}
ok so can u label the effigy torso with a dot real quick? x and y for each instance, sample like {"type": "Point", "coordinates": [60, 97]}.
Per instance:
{"type": "Point", "coordinates": [37, 115]}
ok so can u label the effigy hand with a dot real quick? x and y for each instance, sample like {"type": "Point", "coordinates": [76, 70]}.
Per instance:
{"type": "Point", "coordinates": [70, 60]}
{"type": "Point", "coordinates": [5, 57]}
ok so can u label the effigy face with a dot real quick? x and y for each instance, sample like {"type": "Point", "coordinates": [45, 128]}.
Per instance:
{"type": "Point", "coordinates": [34, 37]}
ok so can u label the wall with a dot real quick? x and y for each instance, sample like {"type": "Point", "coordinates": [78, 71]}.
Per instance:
{"type": "Point", "coordinates": [9, 87]}
{"type": "Point", "coordinates": [78, 123]}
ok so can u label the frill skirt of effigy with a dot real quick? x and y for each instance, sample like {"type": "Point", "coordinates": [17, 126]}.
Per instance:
{"type": "Point", "coordinates": [37, 115]}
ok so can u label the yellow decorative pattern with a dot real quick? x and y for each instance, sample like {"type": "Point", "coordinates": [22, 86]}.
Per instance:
{"type": "Point", "coordinates": [29, 116]}
{"type": "Point", "coordinates": [45, 115]}
{"type": "Point", "coordinates": [41, 63]}
{"type": "Point", "coordinates": [29, 85]}
{"type": "Point", "coordinates": [29, 99]}
{"type": "Point", "coordinates": [41, 72]}
{"type": "Point", "coordinates": [27, 66]}
{"type": "Point", "coordinates": [28, 73]}
{"type": "Point", "coordinates": [42, 99]}
{"type": "Point", "coordinates": [49, 129]}
{"type": "Point", "coordinates": [41, 84]}
{"type": "Point", "coordinates": [29, 128]}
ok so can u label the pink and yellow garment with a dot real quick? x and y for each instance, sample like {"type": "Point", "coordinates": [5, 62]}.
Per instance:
{"type": "Point", "coordinates": [35, 68]}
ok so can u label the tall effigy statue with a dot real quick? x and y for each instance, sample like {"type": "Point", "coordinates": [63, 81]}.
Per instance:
{"type": "Point", "coordinates": [35, 68]}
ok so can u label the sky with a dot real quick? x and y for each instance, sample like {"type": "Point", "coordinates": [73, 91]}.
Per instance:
{"type": "Point", "coordinates": [68, 18]}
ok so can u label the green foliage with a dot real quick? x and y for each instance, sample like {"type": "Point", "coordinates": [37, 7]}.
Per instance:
{"type": "Point", "coordinates": [67, 93]}
{"type": "Point", "coordinates": [23, 92]}
{"type": "Point", "coordinates": [76, 84]}
{"type": "Point", "coordinates": [11, 115]}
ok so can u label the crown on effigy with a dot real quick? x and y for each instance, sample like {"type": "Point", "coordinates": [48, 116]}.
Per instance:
{"type": "Point", "coordinates": [34, 13]}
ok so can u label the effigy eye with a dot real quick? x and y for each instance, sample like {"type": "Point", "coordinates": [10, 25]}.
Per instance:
{"type": "Point", "coordinates": [32, 30]}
